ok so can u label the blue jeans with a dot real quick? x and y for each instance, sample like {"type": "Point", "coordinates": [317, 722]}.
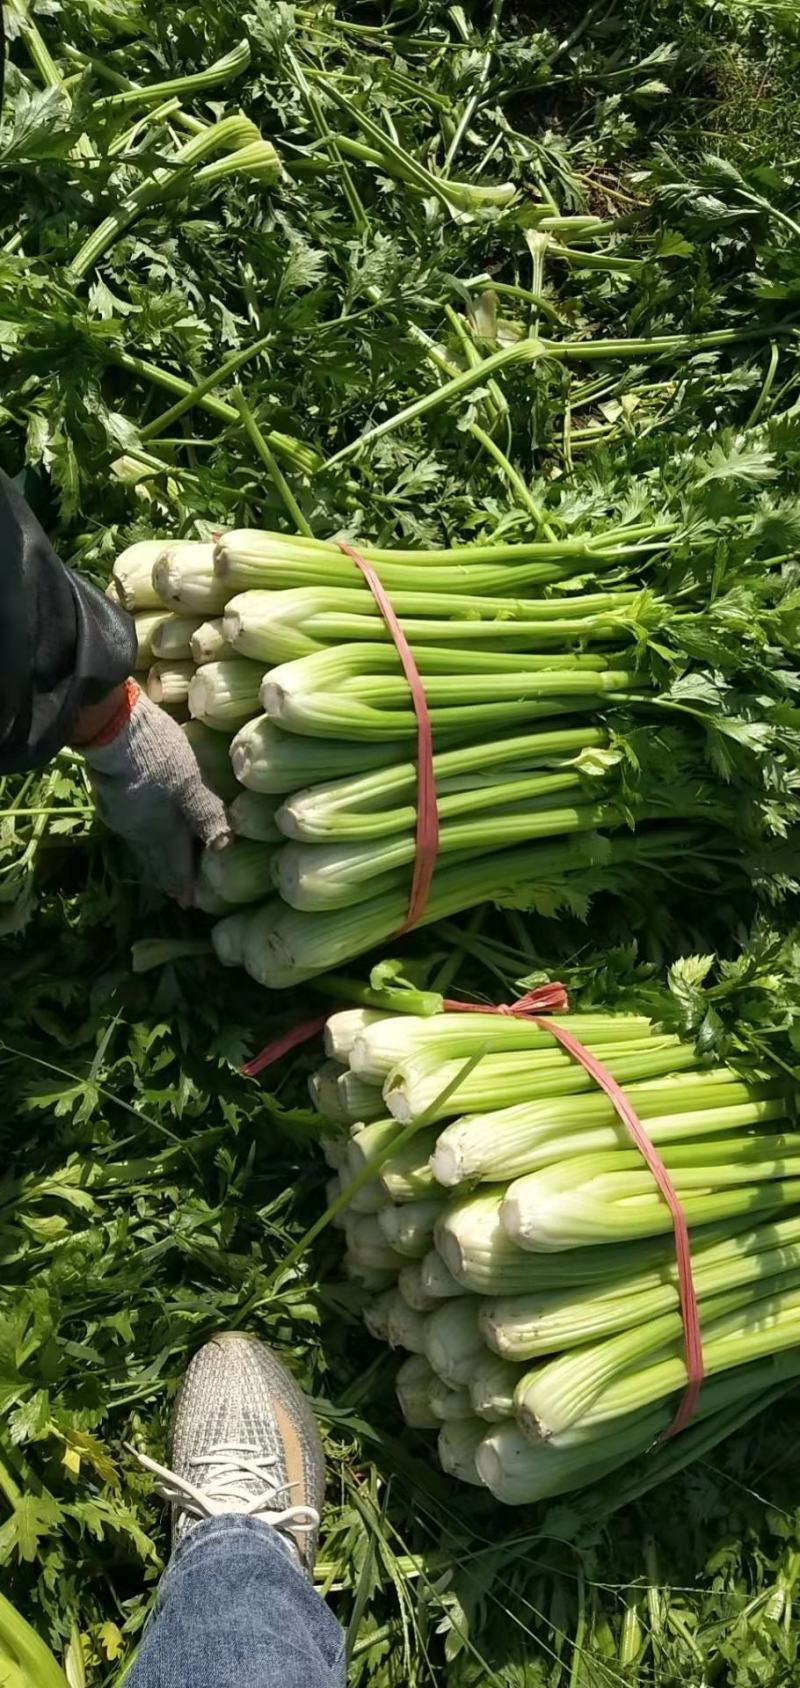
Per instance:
{"type": "Point", "coordinates": [235, 1611]}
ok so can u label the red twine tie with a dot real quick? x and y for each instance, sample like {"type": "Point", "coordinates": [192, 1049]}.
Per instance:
{"type": "Point", "coordinates": [692, 1338]}
{"type": "Point", "coordinates": [427, 807]}
{"type": "Point", "coordinates": [546, 999]}
{"type": "Point", "coordinates": [281, 1046]}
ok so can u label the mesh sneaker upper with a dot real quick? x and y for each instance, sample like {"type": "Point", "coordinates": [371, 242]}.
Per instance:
{"type": "Point", "coordinates": [237, 1399]}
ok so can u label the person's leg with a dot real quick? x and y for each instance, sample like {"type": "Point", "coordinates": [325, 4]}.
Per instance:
{"type": "Point", "coordinates": [236, 1608]}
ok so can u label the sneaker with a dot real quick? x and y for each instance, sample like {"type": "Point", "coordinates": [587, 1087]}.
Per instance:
{"type": "Point", "coordinates": [243, 1439]}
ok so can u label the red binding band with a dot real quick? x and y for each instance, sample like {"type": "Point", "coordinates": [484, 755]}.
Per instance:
{"type": "Point", "coordinates": [547, 999]}
{"type": "Point", "coordinates": [553, 999]}
{"type": "Point", "coordinates": [281, 1046]}
{"type": "Point", "coordinates": [427, 807]}
{"type": "Point", "coordinates": [693, 1342]}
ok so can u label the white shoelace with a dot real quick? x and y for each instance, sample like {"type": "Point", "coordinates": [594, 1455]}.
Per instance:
{"type": "Point", "coordinates": [229, 1466]}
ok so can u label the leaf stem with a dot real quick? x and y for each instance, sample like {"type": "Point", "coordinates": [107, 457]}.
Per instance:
{"type": "Point", "coordinates": [528, 351]}
{"type": "Point", "coordinates": [199, 391]}
{"type": "Point", "coordinates": [257, 440]}
{"type": "Point", "coordinates": [222, 70]}
{"type": "Point", "coordinates": [292, 451]}
{"type": "Point", "coordinates": [351, 193]}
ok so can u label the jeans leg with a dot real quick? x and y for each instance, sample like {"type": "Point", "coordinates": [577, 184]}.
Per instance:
{"type": "Point", "coordinates": [234, 1611]}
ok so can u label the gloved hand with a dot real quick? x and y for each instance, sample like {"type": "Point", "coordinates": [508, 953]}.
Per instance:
{"type": "Point", "coordinates": [149, 789]}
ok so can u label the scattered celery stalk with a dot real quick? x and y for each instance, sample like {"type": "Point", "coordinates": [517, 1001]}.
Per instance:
{"type": "Point", "coordinates": [222, 70]}
{"type": "Point", "coordinates": [235, 135]}
{"type": "Point", "coordinates": [32, 1660]}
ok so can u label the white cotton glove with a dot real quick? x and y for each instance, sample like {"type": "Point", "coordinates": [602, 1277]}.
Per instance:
{"type": "Point", "coordinates": [149, 789]}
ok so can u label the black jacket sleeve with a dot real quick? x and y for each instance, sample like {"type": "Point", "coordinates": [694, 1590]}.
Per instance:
{"type": "Point", "coordinates": [62, 643]}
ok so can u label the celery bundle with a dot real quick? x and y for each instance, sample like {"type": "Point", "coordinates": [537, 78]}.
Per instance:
{"type": "Point", "coordinates": [559, 768]}
{"type": "Point", "coordinates": [520, 1252]}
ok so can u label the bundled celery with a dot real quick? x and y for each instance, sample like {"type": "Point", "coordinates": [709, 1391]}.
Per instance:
{"type": "Point", "coordinates": [172, 639]}
{"type": "Point", "coordinates": [224, 694]}
{"type": "Point", "coordinates": [601, 1198]}
{"type": "Point", "coordinates": [509, 1141]}
{"type": "Point", "coordinates": [449, 1403]}
{"type": "Point", "coordinates": [405, 1328]}
{"type": "Point", "coordinates": [147, 623]}
{"type": "Point", "coordinates": [286, 946]}
{"type": "Point", "coordinates": [228, 938]}
{"type": "Point", "coordinates": [183, 577]}
{"type": "Point", "coordinates": [248, 558]}
{"type": "Point", "coordinates": [267, 760]}
{"type": "Point", "coordinates": [132, 575]}
{"type": "Point", "coordinates": [413, 1384]}
{"type": "Point", "coordinates": [542, 1311]}
{"type": "Point", "coordinates": [356, 692]}
{"type": "Point", "coordinates": [312, 877]}
{"type": "Point", "coordinates": [253, 816]}
{"type": "Point", "coordinates": [457, 1446]}
{"type": "Point", "coordinates": [412, 1289]}
{"type": "Point", "coordinates": [476, 777]}
{"type": "Point", "coordinates": [211, 750]}
{"type": "Point", "coordinates": [278, 626]}
{"type": "Point", "coordinates": [343, 1096]}
{"type": "Point", "coordinates": [408, 1228]}
{"type": "Point", "coordinates": [540, 679]}
{"type": "Point", "coordinates": [414, 1088]}
{"type": "Point", "coordinates": [208, 643]}
{"type": "Point", "coordinates": [381, 1042]}
{"type": "Point", "coordinates": [522, 1326]}
{"type": "Point", "coordinates": [168, 683]}
{"type": "Point", "coordinates": [491, 1388]}
{"type": "Point", "coordinates": [239, 873]}
{"type": "Point", "coordinates": [434, 1282]}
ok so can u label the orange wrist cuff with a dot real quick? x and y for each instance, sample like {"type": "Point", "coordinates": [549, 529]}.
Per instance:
{"type": "Point", "coordinates": [122, 714]}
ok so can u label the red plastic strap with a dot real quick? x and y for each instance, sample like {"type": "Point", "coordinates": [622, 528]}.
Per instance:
{"type": "Point", "coordinates": [281, 1046]}
{"type": "Point", "coordinates": [427, 806]}
{"type": "Point", "coordinates": [547, 999]}
{"type": "Point", "coordinates": [693, 1342]}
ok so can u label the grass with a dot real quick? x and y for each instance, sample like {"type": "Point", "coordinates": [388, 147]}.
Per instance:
{"type": "Point", "coordinates": [151, 1194]}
